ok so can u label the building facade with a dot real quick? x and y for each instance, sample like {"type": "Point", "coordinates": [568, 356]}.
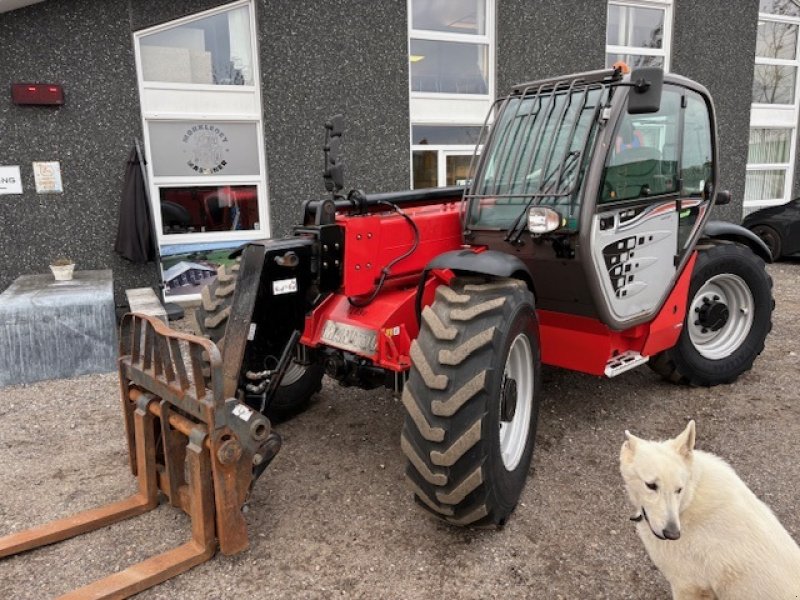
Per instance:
{"type": "Point", "coordinates": [229, 99]}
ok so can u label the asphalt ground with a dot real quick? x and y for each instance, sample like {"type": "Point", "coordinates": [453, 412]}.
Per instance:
{"type": "Point", "coordinates": [332, 516]}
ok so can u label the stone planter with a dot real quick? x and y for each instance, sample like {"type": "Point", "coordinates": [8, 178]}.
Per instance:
{"type": "Point", "coordinates": [62, 272]}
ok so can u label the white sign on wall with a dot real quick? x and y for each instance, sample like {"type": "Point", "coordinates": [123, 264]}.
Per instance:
{"type": "Point", "coordinates": [10, 180]}
{"type": "Point", "coordinates": [47, 176]}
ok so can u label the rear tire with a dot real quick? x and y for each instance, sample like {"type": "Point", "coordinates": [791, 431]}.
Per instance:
{"type": "Point", "coordinates": [300, 382]}
{"type": "Point", "coordinates": [467, 463]}
{"type": "Point", "coordinates": [728, 317]}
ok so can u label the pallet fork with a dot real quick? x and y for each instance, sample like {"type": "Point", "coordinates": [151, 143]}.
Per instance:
{"type": "Point", "coordinates": [185, 440]}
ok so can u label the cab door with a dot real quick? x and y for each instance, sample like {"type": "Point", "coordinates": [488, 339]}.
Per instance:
{"type": "Point", "coordinates": [645, 217]}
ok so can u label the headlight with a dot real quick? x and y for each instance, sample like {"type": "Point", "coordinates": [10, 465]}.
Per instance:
{"type": "Point", "coordinates": [543, 220]}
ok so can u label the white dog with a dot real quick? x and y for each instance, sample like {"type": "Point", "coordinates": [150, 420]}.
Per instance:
{"type": "Point", "coordinates": [703, 527]}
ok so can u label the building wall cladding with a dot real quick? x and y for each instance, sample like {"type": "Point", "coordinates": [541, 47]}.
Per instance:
{"type": "Point", "coordinates": [715, 45]}
{"type": "Point", "coordinates": [546, 38]}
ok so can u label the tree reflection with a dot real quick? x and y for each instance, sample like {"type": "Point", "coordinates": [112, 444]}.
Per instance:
{"type": "Point", "coordinates": [774, 84]}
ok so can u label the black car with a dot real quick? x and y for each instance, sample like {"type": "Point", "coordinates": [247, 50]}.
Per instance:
{"type": "Point", "coordinates": [778, 226]}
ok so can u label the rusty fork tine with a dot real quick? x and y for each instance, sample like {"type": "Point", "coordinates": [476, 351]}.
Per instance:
{"type": "Point", "coordinates": [95, 518]}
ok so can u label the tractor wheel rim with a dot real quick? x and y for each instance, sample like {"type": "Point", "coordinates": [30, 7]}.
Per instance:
{"type": "Point", "coordinates": [293, 373]}
{"type": "Point", "coordinates": [514, 433]}
{"type": "Point", "coordinates": [714, 340]}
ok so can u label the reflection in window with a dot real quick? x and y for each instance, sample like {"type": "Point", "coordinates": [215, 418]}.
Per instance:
{"type": "Point", "coordinates": [212, 50]}
{"type": "Point", "coordinates": [445, 135]}
{"type": "Point", "coordinates": [635, 26]}
{"type": "Point", "coordinates": [208, 208]}
{"type": "Point", "coordinates": [449, 67]}
{"type": "Point", "coordinates": [635, 60]}
{"type": "Point", "coordinates": [774, 84]}
{"type": "Point", "coordinates": [425, 169]}
{"type": "Point", "coordinates": [644, 159]}
{"type": "Point", "coordinates": [788, 8]}
{"type": "Point", "coordinates": [637, 35]}
{"type": "Point", "coordinates": [453, 16]}
{"type": "Point", "coordinates": [776, 40]}
{"type": "Point", "coordinates": [697, 155]}
{"type": "Point", "coordinates": [457, 168]}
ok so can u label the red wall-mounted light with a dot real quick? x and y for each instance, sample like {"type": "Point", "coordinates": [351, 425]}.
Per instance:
{"type": "Point", "coordinates": [48, 94]}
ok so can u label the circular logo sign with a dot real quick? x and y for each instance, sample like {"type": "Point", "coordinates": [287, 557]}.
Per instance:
{"type": "Point", "coordinates": [205, 148]}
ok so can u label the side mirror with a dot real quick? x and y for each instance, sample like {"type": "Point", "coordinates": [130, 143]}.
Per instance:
{"type": "Point", "coordinates": [645, 94]}
{"type": "Point", "coordinates": [723, 197]}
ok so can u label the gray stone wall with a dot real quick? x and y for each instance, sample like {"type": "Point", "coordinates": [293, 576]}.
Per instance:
{"type": "Point", "coordinates": [715, 45]}
{"type": "Point", "coordinates": [323, 58]}
{"type": "Point", "coordinates": [545, 38]}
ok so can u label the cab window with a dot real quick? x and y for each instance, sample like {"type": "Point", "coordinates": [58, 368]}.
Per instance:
{"type": "Point", "coordinates": [696, 167]}
{"type": "Point", "coordinates": [643, 159]}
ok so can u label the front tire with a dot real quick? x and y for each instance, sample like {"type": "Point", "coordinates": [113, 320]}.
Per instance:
{"type": "Point", "coordinates": [300, 382]}
{"type": "Point", "coordinates": [728, 317]}
{"type": "Point", "coordinates": [472, 401]}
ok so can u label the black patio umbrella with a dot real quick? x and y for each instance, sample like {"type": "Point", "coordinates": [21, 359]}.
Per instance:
{"type": "Point", "coordinates": [135, 239]}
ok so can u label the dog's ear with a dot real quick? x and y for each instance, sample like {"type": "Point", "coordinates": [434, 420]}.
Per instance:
{"type": "Point", "coordinates": [629, 446]}
{"type": "Point", "coordinates": [684, 443]}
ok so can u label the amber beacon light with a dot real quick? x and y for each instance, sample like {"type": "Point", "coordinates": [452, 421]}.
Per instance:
{"type": "Point", "coordinates": [48, 94]}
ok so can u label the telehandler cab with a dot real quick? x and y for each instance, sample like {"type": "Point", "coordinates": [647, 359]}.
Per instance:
{"type": "Point", "coordinates": [582, 241]}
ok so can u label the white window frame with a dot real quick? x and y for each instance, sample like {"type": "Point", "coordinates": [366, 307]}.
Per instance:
{"type": "Point", "coordinates": [778, 116]}
{"type": "Point", "coordinates": [666, 47]}
{"type": "Point", "coordinates": [450, 109]}
{"type": "Point", "coordinates": [217, 99]}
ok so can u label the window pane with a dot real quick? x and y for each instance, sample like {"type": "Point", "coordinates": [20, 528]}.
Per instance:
{"type": "Point", "coordinates": [203, 148]}
{"type": "Point", "coordinates": [463, 135]}
{"type": "Point", "coordinates": [644, 159]}
{"type": "Point", "coordinates": [776, 40]}
{"type": "Point", "coordinates": [635, 26]}
{"type": "Point", "coordinates": [697, 166]}
{"type": "Point", "coordinates": [208, 208]}
{"type": "Point", "coordinates": [773, 84]}
{"type": "Point", "coordinates": [764, 185]}
{"type": "Point", "coordinates": [213, 50]}
{"type": "Point", "coordinates": [768, 146]}
{"type": "Point", "coordinates": [635, 60]}
{"type": "Point", "coordinates": [780, 7]}
{"type": "Point", "coordinates": [457, 169]}
{"type": "Point", "coordinates": [449, 67]}
{"type": "Point", "coordinates": [456, 16]}
{"type": "Point", "coordinates": [425, 169]}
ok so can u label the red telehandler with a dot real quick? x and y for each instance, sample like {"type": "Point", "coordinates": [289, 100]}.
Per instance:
{"type": "Point", "coordinates": [582, 241]}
